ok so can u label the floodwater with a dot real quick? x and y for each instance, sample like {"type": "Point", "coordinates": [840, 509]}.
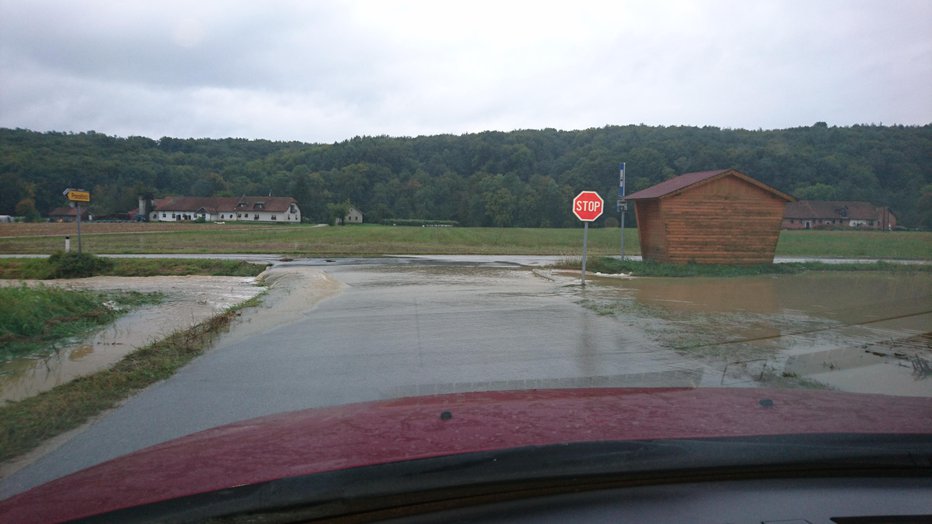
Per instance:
{"type": "Point", "coordinates": [188, 301]}
{"type": "Point", "coordinates": [863, 332]}
{"type": "Point", "coordinates": [337, 332]}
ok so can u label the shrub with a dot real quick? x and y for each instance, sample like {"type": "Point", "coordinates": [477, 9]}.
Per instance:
{"type": "Point", "coordinates": [77, 265]}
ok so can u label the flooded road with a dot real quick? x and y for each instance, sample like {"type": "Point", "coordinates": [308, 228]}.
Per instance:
{"type": "Point", "coordinates": [335, 332]}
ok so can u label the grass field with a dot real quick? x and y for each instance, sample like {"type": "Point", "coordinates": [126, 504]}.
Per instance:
{"type": "Point", "coordinates": [374, 240]}
{"type": "Point", "coordinates": [39, 268]}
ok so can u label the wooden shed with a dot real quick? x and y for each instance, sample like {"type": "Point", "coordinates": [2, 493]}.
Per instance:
{"type": "Point", "coordinates": [710, 217]}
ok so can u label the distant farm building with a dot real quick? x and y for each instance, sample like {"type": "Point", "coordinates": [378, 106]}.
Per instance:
{"type": "Point", "coordinates": [221, 209]}
{"type": "Point", "coordinates": [353, 216]}
{"type": "Point", "coordinates": [710, 217]}
{"type": "Point", "coordinates": [68, 214]}
{"type": "Point", "coordinates": [826, 214]}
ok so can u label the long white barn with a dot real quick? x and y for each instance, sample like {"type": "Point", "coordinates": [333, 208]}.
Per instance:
{"type": "Point", "coordinates": [222, 209]}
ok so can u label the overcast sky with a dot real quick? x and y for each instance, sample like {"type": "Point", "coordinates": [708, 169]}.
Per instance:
{"type": "Point", "coordinates": [324, 71]}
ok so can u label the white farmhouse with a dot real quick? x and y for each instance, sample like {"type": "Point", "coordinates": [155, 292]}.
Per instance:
{"type": "Point", "coordinates": [222, 209]}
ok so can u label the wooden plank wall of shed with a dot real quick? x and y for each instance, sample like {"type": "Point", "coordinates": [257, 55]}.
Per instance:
{"type": "Point", "coordinates": [726, 221]}
{"type": "Point", "coordinates": [650, 229]}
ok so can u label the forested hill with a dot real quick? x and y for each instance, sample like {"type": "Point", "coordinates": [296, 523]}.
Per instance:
{"type": "Point", "coordinates": [519, 178]}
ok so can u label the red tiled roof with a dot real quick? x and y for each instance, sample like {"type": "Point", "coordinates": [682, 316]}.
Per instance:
{"type": "Point", "coordinates": [67, 211]}
{"type": "Point", "coordinates": [677, 184]}
{"type": "Point", "coordinates": [832, 209]}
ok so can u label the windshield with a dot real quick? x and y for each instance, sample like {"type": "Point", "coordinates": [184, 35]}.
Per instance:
{"type": "Point", "coordinates": [241, 209]}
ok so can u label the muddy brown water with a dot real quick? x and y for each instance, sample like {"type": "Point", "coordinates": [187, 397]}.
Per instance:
{"type": "Point", "coordinates": [854, 331]}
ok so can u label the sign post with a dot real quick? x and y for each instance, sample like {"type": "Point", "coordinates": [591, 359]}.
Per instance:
{"type": "Point", "coordinates": [76, 196]}
{"type": "Point", "coordinates": [587, 206]}
{"type": "Point", "coordinates": [622, 205]}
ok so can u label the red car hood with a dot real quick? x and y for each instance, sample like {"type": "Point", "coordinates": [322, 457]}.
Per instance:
{"type": "Point", "coordinates": [322, 440]}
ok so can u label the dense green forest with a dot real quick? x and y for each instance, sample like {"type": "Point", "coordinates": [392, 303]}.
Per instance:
{"type": "Point", "coordinates": [519, 178]}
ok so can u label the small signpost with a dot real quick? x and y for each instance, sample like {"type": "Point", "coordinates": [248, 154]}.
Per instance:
{"type": "Point", "coordinates": [587, 206]}
{"type": "Point", "coordinates": [76, 197]}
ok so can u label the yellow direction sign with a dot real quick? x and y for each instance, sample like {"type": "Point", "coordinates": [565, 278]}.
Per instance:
{"type": "Point", "coordinates": [78, 196]}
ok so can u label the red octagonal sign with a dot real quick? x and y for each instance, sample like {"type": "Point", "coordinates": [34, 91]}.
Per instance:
{"type": "Point", "coordinates": [588, 206]}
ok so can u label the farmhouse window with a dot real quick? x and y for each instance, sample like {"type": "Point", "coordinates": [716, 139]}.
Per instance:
{"type": "Point", "coordinates": [274, 217]}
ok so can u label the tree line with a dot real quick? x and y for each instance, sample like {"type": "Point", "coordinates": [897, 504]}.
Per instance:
{"type": "Point", "coordinates": [520, 178]}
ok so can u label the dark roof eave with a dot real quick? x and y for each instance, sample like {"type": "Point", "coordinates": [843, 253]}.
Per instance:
{"type": "Point", "coordinates": [701, 178]}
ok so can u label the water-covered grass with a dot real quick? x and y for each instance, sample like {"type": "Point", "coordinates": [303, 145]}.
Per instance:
{"type": "Point", "coordinates": [33, 319]}
{"type": "Point", "coordinates": [612, 265]}
{"type": "Point", "coordinates": [27, 423]}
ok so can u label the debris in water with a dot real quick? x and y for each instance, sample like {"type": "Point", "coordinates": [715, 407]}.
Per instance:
{"type": "Point", "coordinates": [921, 367]}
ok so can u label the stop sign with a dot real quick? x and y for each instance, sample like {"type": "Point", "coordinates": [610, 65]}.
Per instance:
{"type": "Point", "coordinates": [588, 206]}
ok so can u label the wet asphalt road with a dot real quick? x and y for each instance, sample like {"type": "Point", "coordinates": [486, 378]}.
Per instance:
{"type": "Point", "coordinates": [414, 327]}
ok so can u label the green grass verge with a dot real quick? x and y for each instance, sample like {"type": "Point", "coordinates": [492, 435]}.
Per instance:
{"type": "Point", "coordinates": [33, 319]}
{"type": "Point", "coordinates": [655, 269]}
{"type": "Point", "coordinates": [39, 268]}
{"type": "Point", "coordinates": [914, 245]}
{"type": "Point", "coordinates": [374, 240]}
{"type": "Point", "coordinates": [27, 423]}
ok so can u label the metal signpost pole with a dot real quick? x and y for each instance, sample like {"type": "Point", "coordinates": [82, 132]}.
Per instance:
{"type": "Point", "coordinates": [585, 241]}
{"type": "Point", "coordinates": [623, 234]}
{"type": "Point", "coordinates": [78, 207]}
{"type": "Point", "coordinates": [622, 206]}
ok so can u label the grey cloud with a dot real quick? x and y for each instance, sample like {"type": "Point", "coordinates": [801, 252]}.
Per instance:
{"type": "Point", "coordinates": [330, 70]}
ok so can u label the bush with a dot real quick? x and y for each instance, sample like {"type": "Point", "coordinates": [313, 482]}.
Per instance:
{"type": "Point", "coordinates": [77, 265]}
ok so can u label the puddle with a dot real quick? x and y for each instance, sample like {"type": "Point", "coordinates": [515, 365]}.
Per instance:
{"type": "Point", "coordinates": [188, 301]}
{"type": "Point", "coordinates": [852, 331]}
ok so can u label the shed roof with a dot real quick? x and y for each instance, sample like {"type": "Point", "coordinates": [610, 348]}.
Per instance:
{"type": "Point", "coordinates": [683, 182]}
